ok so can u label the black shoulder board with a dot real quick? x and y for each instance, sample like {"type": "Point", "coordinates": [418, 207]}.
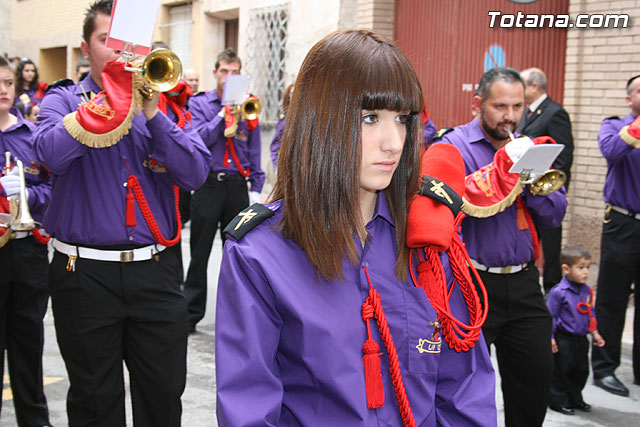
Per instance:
{"type": "Point", "coordinates": [60, 83]}
{"type": "Point", "coordinates": [248, 219]}
{"type": "Point", "coordinates": [441, 193]}
{"type": "Point", "coordinates": [442, 132]}
{"type": "Point", "coordinates": [613, 118]}
{"type": "Point", "coordinates": [202, 92]}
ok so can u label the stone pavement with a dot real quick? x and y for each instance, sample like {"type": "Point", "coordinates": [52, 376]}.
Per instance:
{"type": "Point", "coordinates": [199, 396]}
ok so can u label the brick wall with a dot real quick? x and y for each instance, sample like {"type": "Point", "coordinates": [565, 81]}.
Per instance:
{"type": "Point", "coordinates": [599, 62]}
{"type": "Point", "coordinates": [377, 15]}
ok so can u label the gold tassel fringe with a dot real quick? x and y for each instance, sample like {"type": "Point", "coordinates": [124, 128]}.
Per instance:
{"type": "Point", "coordinates": [624, 134]}
{"type": "Point", "coordinates": [487, 211]}
{"type": "Point", "coordinates": [112, 137]}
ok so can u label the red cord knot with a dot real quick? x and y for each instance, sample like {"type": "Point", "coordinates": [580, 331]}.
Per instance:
{"type": "Point", "coordinates": [367, 311]}
{"type": "Point", "coordinates": [370, 347]}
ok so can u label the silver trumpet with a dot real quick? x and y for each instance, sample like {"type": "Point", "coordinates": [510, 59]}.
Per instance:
{"type": "Point", "coordinates": [22, 219]}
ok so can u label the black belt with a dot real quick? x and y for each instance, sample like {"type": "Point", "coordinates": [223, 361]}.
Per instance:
{"type": "Point", "coordinates": [221, 176]}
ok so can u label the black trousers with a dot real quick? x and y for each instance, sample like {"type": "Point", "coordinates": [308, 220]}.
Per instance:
{"type": "Point", "coordinates": [213, 206]}
{"type": "Point", "coordinates": [519, 325]}
{"type": "Point", "coordinates": [551, 244]}
{"type": "Point", "coordinates": [23, 303]}
{"type": "Point", "coordinates": [570, 369]}
{"type": "Point", "coordinates": [619, 268]}
{"type": "Point", "coordinates": [106, 312]}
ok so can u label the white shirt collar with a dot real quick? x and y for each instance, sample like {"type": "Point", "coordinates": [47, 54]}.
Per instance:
{"type": "Point", "coordinates": [535, 104]}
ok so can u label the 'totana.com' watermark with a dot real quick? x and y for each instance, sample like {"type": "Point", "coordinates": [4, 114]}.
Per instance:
{"type": "Point", "coordinates": [521, 20]}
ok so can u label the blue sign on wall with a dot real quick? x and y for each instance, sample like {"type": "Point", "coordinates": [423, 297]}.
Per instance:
{"type": "Point", "coordinates": [495, 57]}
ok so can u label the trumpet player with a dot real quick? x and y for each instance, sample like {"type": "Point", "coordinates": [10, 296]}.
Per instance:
{"type": "Point", "coordinates": [503, 247]}
{"type": "Point", "coordinates": [23, 261]}
{"type": "Point", "coordinates": [116, 162]}
{"type": "Point", "coordinates": [234, 142]}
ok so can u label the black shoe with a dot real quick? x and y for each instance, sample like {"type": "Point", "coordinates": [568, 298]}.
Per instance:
{"type": "Point", "coordinates": [584, 407]}
{"type": "Point", "coordinates": [563, 409]}
{"type": "Point", "coordinates": [611, 384]}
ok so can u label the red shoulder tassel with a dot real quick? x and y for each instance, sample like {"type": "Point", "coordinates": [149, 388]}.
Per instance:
{"type": "Point", "coordinates": [372, 374]}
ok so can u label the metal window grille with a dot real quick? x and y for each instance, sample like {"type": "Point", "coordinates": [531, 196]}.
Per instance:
{"type": "Point", "coordinates": [267, 56]}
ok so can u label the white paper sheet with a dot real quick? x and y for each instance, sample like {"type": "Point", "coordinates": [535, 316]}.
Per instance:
{"type": "Point", "coordinates": [133, 21]}
{"type": "Point", "coordinates": [235, 89]}
{"type": "Point", "coordinates": [537, 159]}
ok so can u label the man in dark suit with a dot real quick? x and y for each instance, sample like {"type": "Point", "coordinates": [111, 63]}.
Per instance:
{"type": "Point", "coordinates": [546, 117]}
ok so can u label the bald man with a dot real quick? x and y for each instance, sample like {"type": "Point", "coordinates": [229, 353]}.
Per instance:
{"type": "Point", "coordinates": [546, 117]}
{"type": "Point", "coordinates": [192, 78]}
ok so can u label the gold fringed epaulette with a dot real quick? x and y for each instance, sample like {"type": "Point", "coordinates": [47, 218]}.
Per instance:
{"type": "Point", "coordinates": [477, 211]}
{"type": "Point", "coordinates": [106, 118]}
{"type": "Point", "coordinates": [626, 137]}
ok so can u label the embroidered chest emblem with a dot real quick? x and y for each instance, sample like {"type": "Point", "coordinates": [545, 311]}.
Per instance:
{"type": "Point", "coordinates": [242, 135]}
{"type": "Point", "coordinates": [432, 345]}
{"type": "Point", "coordinates": [154, 165]}
{"type": "Point", "coordinates": [32, 169]}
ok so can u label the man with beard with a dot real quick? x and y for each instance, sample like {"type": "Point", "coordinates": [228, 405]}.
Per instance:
{"type": "Point", "coordinates": [503, 248]}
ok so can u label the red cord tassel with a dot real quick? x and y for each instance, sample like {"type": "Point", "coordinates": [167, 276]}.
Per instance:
{"type": "Point", "coordinates": [372, 374]}
{"type": "Point", "coordinates": [593, 325]}
{"type": "Point", "coordinates": [130, 212]}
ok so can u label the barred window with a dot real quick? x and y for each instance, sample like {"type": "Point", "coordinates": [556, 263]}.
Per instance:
{"type": "Point", "coordinates": [267, 56]}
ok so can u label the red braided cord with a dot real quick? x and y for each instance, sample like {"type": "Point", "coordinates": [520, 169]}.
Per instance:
{"type": "Point", "coordinates": [134, 185]}
{"type": "Point", "coordinates": [588, 305]}
{"type": "Point", "coordinates": [394, 365]}
{"type": "Point", "coordinates": [459, 336]}
{"type": "Point", "coordinates": [39, 237]}
{"type": "Point", "coordinates": [231, 149]}
{"type": "Point", "coordinates": [179, 111]}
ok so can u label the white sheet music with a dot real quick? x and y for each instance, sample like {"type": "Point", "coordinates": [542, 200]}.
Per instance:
{"type": "Point", "coordinates": [235, 89]}
{"type": "Point", "coordinates": [537, 159]}
{"type": "Point", "coordinates": [134, 21]}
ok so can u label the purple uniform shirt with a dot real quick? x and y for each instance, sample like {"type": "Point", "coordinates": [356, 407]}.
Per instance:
{"type": "Point", "coordinates": [277, 141]}
{"type": "Point", "coordinates": [289, 347]}
{"type": "Point", "coordinates": [429, 132]}
{"type": "Point", "coordinates": [88, 193]}
{"type": "Point", "coordinates": [496, 241]}
{"type": "Point", "coordinates": [210, 126]}
{"type": "Point", "coordinates": [621, 186]}
{"type": "Point", "coordinates": [562, 303]}
{"type": "Point", "coordinates": [17, 140]}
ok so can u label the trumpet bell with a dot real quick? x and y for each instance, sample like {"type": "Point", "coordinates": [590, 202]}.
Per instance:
{"type": "Point", "coordinates": [547, 183]}
{"type": "Point", "coordinates": [162, 70]}
{"type": "Point", "coordinates": [23, 220]}
{"type": "Point", "coordinates": [251, 108]}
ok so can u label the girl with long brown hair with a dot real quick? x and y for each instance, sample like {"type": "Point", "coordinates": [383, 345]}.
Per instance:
{"type": "Point", "coordinates": [295, 272]}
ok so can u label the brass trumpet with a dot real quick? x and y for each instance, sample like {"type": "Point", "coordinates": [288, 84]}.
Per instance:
{"type": "Point", "coordinates": [547, 183]}
{"type": "Point", "coordinates": [249, 109]}
{"type": "Point", "coordinates": [161, 71]}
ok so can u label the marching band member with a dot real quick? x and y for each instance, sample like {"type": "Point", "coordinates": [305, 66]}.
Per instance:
{"type": "Point", "coordinates": [302, 277]}
{"type": "Point", "coordinates": [619, 140]}
{"type": "Point", "coordinates": [115, 289]}
{"type": "Point", "coordinates": [235, 147]}
{"type": "Point", "coordinates": [24, 263]}
{"type": "Point", "coordinates": [503, 247]}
